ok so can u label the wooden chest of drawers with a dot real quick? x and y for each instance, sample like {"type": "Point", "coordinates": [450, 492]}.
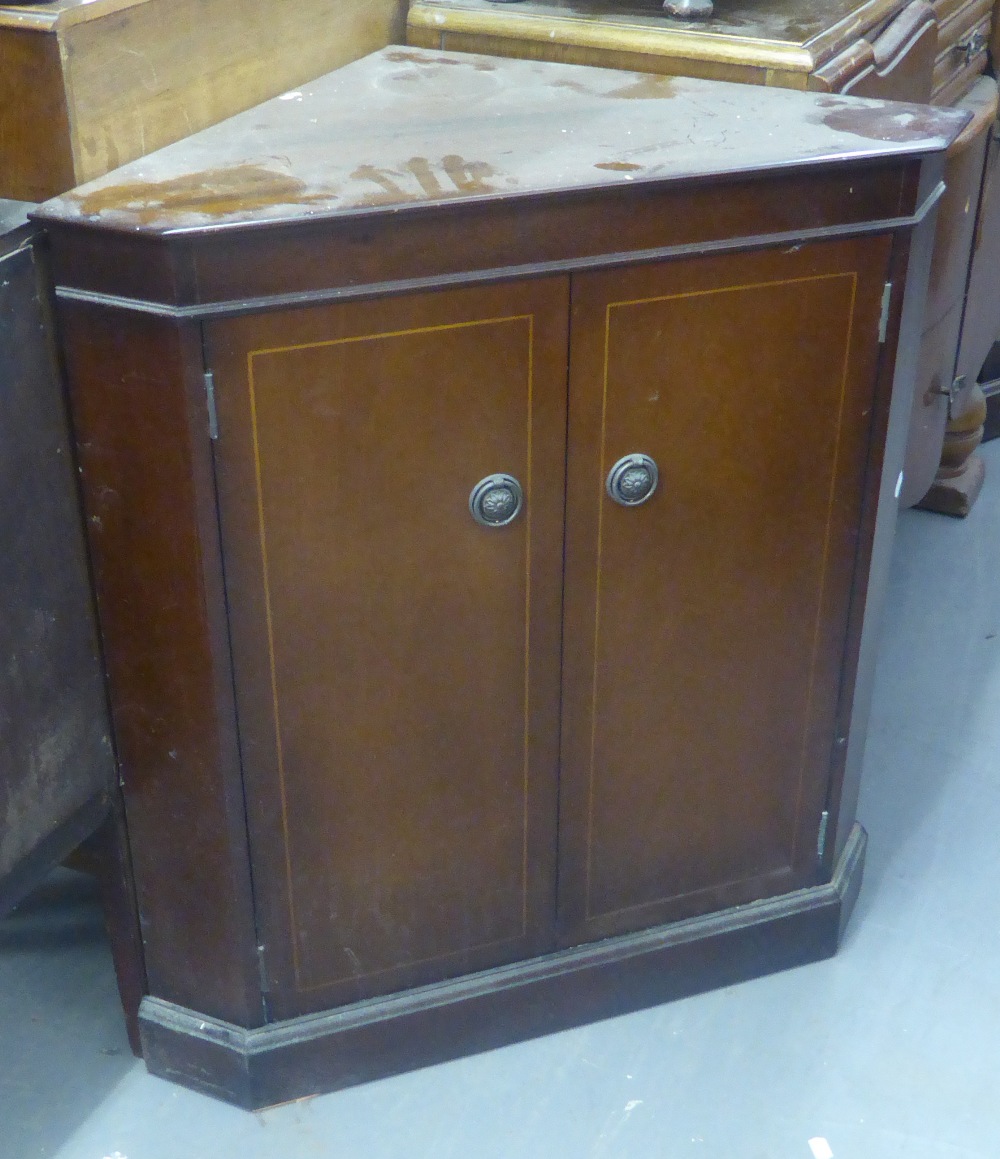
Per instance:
{"type": "Point", "coordinates": [880, 48]}
{"type": "Point", "coordinates": [964, 28]}
{"type": "Point", "coordinates": [490, 490]}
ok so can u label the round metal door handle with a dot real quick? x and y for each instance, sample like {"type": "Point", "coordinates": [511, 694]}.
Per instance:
{"type": "Point", "coordinates": [496, 500]}
{"type": "Point", "coordinates": [632, 480]}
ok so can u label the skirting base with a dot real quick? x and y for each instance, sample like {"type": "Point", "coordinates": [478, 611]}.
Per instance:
{"type": "Point", "coordinates": [329, 1051]}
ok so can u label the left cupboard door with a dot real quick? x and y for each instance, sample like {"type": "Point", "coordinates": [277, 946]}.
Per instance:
{"type": "Point", "coordinates": [396, 661]}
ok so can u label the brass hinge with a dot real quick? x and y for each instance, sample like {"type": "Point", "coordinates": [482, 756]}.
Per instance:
{"type": "Point", "coordinates": [883, 322]}
{"type": "Point", "coordinates": [824, 821]}
{"type": "Point", "coordinates": [213, 414]}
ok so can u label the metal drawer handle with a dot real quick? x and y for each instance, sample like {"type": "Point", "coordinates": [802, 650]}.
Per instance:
{"type": "Point", "coordinates": [632, 480]}
{"type": "Point", "coordinates": [971, 47]}
{"type": "Point", "coordinates": [496, 500]}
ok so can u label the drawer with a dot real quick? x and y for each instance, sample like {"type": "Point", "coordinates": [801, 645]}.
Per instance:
{"type": "Point", "coordinates": [956, 32]}
{"type": "Point", "coordinates": [963, 38]}
{"type": "Point", "coordinates": [956, 72]}
{"type": "Point", "coordinates": [945, 11]}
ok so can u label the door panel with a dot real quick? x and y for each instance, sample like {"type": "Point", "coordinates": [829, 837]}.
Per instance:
{"type": "Point", "coordinates": [397, 665]}
{"type": "Point", "coordinates": [705, 629]}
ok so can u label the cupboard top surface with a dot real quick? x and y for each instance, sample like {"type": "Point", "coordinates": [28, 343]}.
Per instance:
{"type": "Point", "coordinates": [408, 127]}
{"type": "Point", "coordinates": [800, 32]}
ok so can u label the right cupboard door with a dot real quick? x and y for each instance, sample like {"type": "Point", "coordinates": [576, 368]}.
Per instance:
{"type": "Point", "coordinates": [706, 627]}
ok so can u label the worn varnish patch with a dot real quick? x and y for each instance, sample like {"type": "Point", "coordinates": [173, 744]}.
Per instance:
{"type": "Point", "coordinates": [875, 121]}
{"type": "Point", "coordinates": [216, 193]}
{"type": "Point", "coordinates": [420, 179]}
{"type": "Point", "coordinates": [648, 87]}
{"type": "Point", "coordinates": [645, 88]}
{"type": "Point", "coordinates": [401, 56]}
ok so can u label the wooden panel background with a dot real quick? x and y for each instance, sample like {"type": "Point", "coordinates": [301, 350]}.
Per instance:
{"type": "Point", "coordinates": [36, 157]}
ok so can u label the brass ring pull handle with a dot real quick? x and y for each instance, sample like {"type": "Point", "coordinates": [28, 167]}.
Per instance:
{"type": "Point", "coordinates": [496, 500]}
{"type": "Point", "coordinates": [632, 480]}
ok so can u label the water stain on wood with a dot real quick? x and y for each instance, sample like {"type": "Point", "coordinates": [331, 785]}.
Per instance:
{"type": "Point", "coordinates": [420, 179]}
{"type": "Point", "coordinates": [879, 123]}
{"type": "Point", "coordinates": [214, 192]}
{"type": "Point", "coordinates": [402, 57]}
{"type": "Point", "coordinates": [650, 87]}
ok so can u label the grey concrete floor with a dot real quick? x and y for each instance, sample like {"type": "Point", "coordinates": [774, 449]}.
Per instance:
{"type": "Point", "coordinates": [891, 1050]}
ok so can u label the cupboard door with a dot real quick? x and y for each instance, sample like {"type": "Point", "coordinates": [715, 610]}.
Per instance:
{"type": "Point", "coordinates": [397, 664]}
{"type": "Point", "coordinates": [705, 628]}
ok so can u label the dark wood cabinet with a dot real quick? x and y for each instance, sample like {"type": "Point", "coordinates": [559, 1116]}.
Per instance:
{"type": "Point", "coordinates": [398, 666]}
{"type": "Point", "coordinates": [56, 763]}
{"type": "Point", "coordinates": [402, 782]}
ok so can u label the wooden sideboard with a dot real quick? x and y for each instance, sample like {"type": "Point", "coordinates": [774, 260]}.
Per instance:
{"type": "Point", "coordinates": [87, 85]}
{"type": "Point", "coordinates": [490, 470]}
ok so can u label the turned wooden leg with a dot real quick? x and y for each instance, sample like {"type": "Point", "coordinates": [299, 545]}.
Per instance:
{"type": "Point", "coordinates": [959, 478]}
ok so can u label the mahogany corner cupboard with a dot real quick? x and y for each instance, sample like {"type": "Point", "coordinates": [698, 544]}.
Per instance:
{"type": "Point", "coordinates": [489, 469]}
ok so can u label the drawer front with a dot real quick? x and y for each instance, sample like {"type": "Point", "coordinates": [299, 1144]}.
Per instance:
{"type": "Point", "coordinates": [962, 55]}
{"type": "Point", "coordinates": [705, 629]}
{"type": "Point", "coordinates": [393, 658]}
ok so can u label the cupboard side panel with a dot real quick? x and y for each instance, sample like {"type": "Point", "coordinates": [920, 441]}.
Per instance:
{"type": "Point", "coordinates": [138, 405]}
{"type": "Point", "coordinates": [705, 629]}
{"type": "Point", "coordinates": [397, 664]}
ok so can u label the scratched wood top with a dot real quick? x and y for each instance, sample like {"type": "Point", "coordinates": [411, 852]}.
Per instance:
{"type": "Point", "coordinates": [408, 127]}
